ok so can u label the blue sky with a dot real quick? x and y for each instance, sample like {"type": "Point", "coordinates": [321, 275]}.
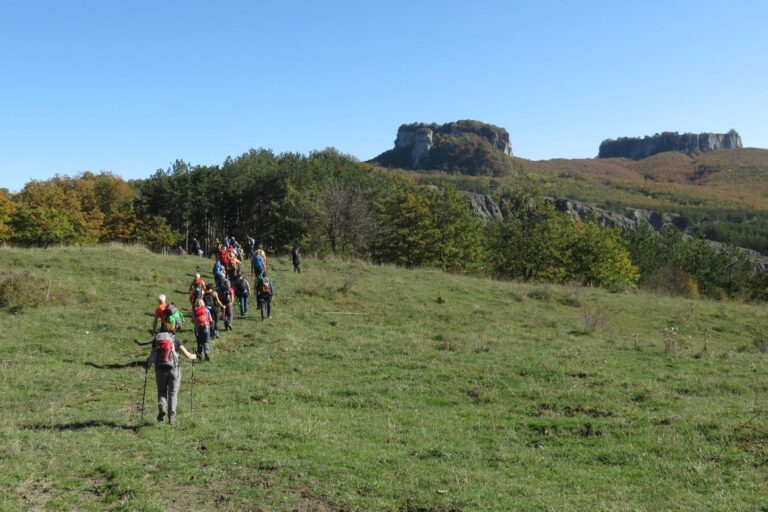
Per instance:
{"type": "Point", "coordinates": [128, 87]}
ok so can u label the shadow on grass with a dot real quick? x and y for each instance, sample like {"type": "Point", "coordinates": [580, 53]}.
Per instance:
{"type": "Point", "coordinates": [81, 425]}
{"type": "Point", "coordinates": [117, 366]}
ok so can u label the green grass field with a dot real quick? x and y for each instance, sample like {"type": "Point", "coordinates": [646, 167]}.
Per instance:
{"type": "Point", "coordinates": [366, 392]}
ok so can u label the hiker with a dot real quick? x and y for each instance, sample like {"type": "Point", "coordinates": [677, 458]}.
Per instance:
{"type": "Point", "coordinates": [159, 312]}
{"type": "Point", "coordinates": [296, 259]}
{"type": "Point", "coordinates": [258, 264]}
{"type": "Point", "coordinates": [196, 289]}
{"type": "Point", "coordinates": [167, 312]}
{"type": "Point", "coordinates": [218, 273]}
{"type": "Point", "coordinates": [264, 292]}
{"type": "Point", "coordinates": [251, 246]}
{"type": "Point", "coordinates": [196, 248]}
{"type": "Point", "coordinates": [203, 322]}
{"type": "Point", "coordinates": [214, 305]}
{"type": "Point", "coordinates": [223, 256]}
{"type": "Point", "coordinates": [233, 267]}
{"type": "Point", "coordinates": [243, 291]}
{"type": "Point", "coordinates": [227, 298]}
{"type": "Point", "coordinates": [165, 357]}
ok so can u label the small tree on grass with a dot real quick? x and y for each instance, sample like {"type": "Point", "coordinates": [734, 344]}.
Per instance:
{"type": "Point", "coordinates": [157, 234]}
{"type": "Point", "coordinates": [407, 234]}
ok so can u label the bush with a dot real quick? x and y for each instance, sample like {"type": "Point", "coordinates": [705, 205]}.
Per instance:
{"type": "Point", "coordinates": [19, 290]}
{"type": "Point", "coordinates": [673, 281]}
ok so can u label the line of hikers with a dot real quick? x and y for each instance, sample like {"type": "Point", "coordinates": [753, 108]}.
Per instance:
{"type": "Point", "coordinates": [209, 305]}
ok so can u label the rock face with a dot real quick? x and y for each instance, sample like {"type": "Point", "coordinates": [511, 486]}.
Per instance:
{"type": "Point", "coordinates": [637, 148]}
{"type": "Point", "coordinates": [470, 147]}
{"type": "Point", "coordinates": [629, 220]}
{"type": "Point", "coordinates": [484, 206]}
{"type": "Point", "coordinates": [487, 208]}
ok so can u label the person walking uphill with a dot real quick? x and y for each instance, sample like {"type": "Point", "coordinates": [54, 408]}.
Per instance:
{"type": "Point", "coordinates": [227, 298]}
{"type": "Point", "coordinates": [243, 291]}
{"type": "Point", "coordinates": [214, 305]}
{"type": "Point", "coordinates": [296, 259]}
{"type": "Point", "coordinates": [165, 358]}
{"type": "Point", "coordinates": [159, 312]}
{"type": "Point", "coordinates": [203, 322]}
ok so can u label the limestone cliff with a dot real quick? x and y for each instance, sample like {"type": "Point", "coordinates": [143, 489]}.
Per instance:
{"type": "Point", "coordinates": [637, 148]}
{"type": "Point", "coordinates": [468, 147]}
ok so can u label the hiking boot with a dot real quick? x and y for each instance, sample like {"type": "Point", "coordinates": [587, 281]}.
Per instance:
{"type": "Point", "coordinates": [172, 419]}
{"type": "Point", "coordinates": [161, 413]}
{"type": "Point", "coordinates": [207, 356]}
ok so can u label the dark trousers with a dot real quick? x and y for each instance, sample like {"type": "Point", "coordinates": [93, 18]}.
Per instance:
{"type": "Point", "coordinates": [215, 312]}
{"type": "Point", "coordinates": [203, 336]}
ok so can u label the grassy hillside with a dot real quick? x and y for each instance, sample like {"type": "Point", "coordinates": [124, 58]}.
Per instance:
{"type": "Point", "coordinates": [366, 392]}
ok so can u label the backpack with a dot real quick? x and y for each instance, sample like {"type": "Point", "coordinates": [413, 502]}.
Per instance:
{"type": "Point", "coordinates": [225, 295]}
{"type": "Point", "coordinates": [170, 310]}
{"type": "Point", "coordinates": [172, 314]}
{"type": "Point", "coordinates": [208, 300]}
{"type": "Point", "coordinates": [266, 288]}
{"type": "Point", "coordinates": [164, 351]}
{"type": "Point", "coordinates": [258, 263]}
{"type": "Point", "coordinates": [242, 287]}
{"type": "Point", "coordinates": [202, 318]}
{"type": "Point", "coordinates": [198, 293]}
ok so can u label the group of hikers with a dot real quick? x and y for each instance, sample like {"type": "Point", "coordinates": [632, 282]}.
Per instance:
{"type": "Point", "coordinates": [209, 303]}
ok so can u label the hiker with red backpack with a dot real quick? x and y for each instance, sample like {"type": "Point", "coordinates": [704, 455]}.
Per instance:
{"type": "Point", "coordinates": [165, 358]}
{"type": "Point", "coordinates": [203, 322]}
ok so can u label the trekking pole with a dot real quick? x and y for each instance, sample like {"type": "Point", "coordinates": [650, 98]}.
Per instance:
{"type": "Point", "coordinates": [144, 394]}
{"type": "Point", "coordinates": [191, 386]}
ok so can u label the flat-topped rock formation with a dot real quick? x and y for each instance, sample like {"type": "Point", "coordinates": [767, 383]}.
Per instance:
{"type": "Point", "coordinates": [637, 148]}
{"type": "Point", "coordinates": [468, 147]}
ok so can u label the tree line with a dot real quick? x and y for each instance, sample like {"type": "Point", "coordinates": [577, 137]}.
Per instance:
{"type": "Point", "coordinates": [328, 203]}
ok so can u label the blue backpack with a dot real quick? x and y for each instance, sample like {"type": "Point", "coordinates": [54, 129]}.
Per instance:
{"type": "Point", "coordinates": [258, 264]}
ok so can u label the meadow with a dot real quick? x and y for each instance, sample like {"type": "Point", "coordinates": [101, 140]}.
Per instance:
{"type": "Point", "coordinates": [377, 388]}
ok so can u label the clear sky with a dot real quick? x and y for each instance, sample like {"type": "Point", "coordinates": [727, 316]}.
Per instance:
{"type": "Point", "coordinates": [128, 87]}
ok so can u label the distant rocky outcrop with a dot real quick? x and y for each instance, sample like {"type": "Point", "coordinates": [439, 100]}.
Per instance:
{"type": "Point", "coordinates": [468, 147]}
{"type": "Point", "coordinates": [627, 221]}
{"type": "Point", "coordinates": [637, 148]}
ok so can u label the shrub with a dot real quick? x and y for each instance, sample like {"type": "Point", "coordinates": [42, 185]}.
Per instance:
{"type": "Point", "coordinates": [594, 320]}
{"type": "Point", "coordinates": [671, 280]}
{"type": "Point", "coordinates": [22, 289]}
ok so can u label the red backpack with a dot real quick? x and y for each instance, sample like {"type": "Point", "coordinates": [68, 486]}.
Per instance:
{"type": "Point", "coordinates": [202, 317]}
{"type": "Point", "coordinates": [164, 351]}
